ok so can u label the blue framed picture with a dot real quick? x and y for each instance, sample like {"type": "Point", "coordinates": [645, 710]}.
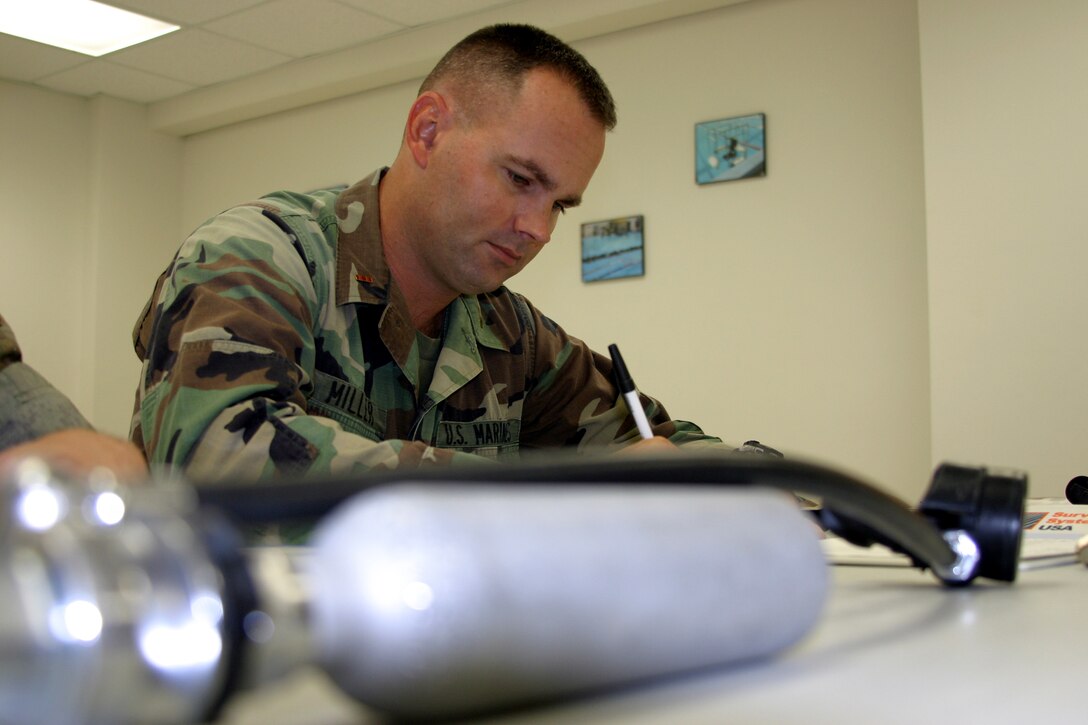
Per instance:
{"type": "Point", "coordinates": [612, 249]}
{"type": "Point", "coordinates": [730, 149]}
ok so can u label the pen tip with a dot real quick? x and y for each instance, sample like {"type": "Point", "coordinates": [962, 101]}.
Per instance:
{"type": "Point", "coordinates": [619, 370]}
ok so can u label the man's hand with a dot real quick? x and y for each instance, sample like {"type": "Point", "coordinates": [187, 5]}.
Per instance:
{"type": "Point", "coordinates": [657, 444]}
{"type": "Point", "coordinates": [77, 451]}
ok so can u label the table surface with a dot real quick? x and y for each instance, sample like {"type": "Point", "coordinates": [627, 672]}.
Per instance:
{"type": "Point", "coordinates": [893, 646]}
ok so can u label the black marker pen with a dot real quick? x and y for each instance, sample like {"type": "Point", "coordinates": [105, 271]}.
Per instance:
{"type": "Point", "coordinates": [630, 394]}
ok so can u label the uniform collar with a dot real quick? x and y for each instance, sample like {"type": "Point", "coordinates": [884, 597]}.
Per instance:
{"type": "Point", "coordinates": [362, 274]}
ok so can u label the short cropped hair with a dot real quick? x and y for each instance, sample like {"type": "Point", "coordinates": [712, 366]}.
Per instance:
{"type": "Point", "coordinates": [502, 55]}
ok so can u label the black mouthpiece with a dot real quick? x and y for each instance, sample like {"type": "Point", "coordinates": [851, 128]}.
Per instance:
{"type": "Point", "coordinates": [1076, 491]}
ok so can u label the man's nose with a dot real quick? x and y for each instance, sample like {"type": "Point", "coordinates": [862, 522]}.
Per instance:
{"type": "Point", "coordinates": [537, 221]}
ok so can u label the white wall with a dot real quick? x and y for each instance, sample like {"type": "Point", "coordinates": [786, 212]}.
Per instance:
{"type": "Point", "coordinates": [336, 142]}
{"type": "Point", "coordinates": [1005, 104]}
{"type": "Point", "coordinates": [44, 204]}
{"type": "Point", "coordinates": [800, 308]}
{"type": "Point", "coordinates": [135, 190]}
{"type": "Point", "coordinates": [89, 220]}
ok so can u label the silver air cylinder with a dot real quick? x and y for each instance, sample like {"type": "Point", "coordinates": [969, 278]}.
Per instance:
{"type": "Point", "coordinates": [433, 601]}
{"type": "Point", "coordinates": [110, 609]}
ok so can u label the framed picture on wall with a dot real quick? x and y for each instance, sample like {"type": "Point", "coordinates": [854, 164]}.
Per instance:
{"type": "Point", "coordinates": [613, 248]}
{"type": "Point", "coordinates": [730, 149]}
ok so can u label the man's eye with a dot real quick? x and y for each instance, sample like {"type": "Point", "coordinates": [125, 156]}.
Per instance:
{"type": "Point", "coordinates": [518, 178]}
{"type": "Point", "coordinates": [559, 208]}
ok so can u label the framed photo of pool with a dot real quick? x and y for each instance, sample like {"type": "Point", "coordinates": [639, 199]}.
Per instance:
{"type": "Point", "coordinates": [730, 148]}
{"type": "Point", "coordinates": [612, 249]}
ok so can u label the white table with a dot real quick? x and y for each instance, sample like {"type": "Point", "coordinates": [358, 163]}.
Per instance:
{"type": "Point", "coordinates": [893, 646]}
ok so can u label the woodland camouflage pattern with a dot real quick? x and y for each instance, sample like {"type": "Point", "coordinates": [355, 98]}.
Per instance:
{"type": "Point", "coordinates": [276, 342]}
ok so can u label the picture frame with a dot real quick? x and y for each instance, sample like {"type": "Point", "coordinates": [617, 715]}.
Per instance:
{"type": "Point", "coordinates": [731, 148]}
{"type": "Point", "coordinates": [613, 249]}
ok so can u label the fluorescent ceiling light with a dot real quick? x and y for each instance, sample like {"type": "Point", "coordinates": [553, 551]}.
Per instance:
{"type": "Point", "coordinates": [84, 26]}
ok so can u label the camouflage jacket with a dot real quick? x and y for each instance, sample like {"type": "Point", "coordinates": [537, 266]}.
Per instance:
{"type": "Point", "coordinates": [9, 348]}
{"type": "Point", "coordinates": [277, 342]}
{"type": "Point", "coordinates": [29, 406]}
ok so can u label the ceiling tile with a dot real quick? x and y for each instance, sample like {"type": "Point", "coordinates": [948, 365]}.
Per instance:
{"type": "Point", "coordinates": [303, 27]}
{"type": "Point", "coordinates": [101, 76]}
{"type": "Point", "coordinates": [199, 57]}
{"type": "Point", "coordinates": [185, 12]}
{"type": "Point", "coordinates": [422, 12]}
{"type": "Point", "coordinates": [25, 60]}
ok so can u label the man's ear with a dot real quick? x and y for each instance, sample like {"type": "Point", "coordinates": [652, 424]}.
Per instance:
{"type": "Point", "coordinates": [428, 119]}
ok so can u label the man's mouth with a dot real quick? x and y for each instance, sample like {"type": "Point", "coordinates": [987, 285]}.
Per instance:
{"type": "Point", "coordinates": [505, 254]}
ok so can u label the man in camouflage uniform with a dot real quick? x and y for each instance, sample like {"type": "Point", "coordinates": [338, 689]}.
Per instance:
{"type": "Point", "coordinates": [38, 420]}
{"type": "Point", "coordinates": [344, 330]}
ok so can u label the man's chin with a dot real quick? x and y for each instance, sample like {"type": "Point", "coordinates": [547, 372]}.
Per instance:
{"type": "Point", "coordinates": [482, 285]}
